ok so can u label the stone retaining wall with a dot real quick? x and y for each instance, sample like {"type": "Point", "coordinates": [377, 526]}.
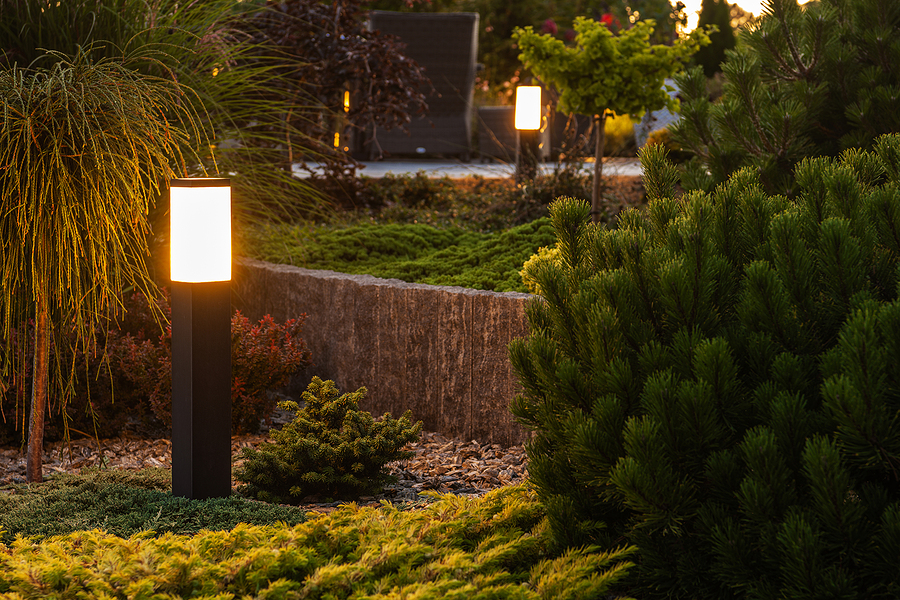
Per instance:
{"type": "Point", "coordinates": [437, 351]}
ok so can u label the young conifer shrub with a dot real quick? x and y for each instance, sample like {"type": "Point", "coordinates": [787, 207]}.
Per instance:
{"type": "Point", "coordinates": [330, 449]}
{"type": "Point", "coordinates": [810, 80]}
{"type": "Point", "coordinates": [715, 382]}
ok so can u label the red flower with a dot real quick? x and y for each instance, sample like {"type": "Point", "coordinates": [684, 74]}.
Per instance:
{"type": "Point", "coordinates": [610, 21]}
{"type": "Point", "coordinates": [549, 27]}
{"type": "Point", "coordinates": [570, 35]}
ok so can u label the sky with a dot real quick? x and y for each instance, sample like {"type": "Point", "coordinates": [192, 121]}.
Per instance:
{"type": "Point", "coordinates": [693, 9]}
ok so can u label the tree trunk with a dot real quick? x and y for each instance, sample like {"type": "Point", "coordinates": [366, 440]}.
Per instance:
{"type": "Point", "coordinates": [40, 385]}
{"type": "Point", "coordinates": [600, 122]}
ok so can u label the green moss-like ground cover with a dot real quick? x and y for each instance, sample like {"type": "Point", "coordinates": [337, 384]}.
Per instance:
{"type": "Point", "coordinates": [125, 503]}
{"type": "Point", "coordinates": [410, 252]}
{"type": "Point", "coordinates": [458, 548]}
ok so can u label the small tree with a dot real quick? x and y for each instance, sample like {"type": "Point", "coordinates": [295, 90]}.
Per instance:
{"type": "Point", "coordinates": [83, 149]}
{"type": "Point", "coordinates": [718, 14]}
{"type": "Point", "coordinates": [330, 51]}
{"type": "Point", "coordinates": [603, 73]}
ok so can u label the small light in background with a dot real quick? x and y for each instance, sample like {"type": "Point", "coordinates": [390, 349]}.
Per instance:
{"type": "Point", "coordinates": [528, 107]}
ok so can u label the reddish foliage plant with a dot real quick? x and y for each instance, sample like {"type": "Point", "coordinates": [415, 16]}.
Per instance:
{"type": "Point", "coordinates": [336, 53]}
{"type": "Point", "coordinates": [263, 357]}
{"type": "Point", "coordinates": [127, 379]}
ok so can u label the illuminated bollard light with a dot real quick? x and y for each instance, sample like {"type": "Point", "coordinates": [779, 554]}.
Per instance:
{"type": "Point", "coordinates": [528, 124]}
{"type": "Point", "coordinates": [200, 212]}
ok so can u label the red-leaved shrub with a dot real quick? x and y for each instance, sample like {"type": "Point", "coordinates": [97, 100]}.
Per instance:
{"type": "Point", "coordinates": [263, 357]}
{"type": "Point", "coordinates": [126, 380]}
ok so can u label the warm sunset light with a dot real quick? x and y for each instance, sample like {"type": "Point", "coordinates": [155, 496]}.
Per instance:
{"type": "Point", "coordinates": [692, 9]}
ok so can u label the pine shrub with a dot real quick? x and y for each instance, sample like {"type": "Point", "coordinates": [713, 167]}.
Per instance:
{"type": "Point", "coordinates": [805, 81]}
{"type": "Point", "coordinates": [715, 381]}
{"type": "Point", "coordinates": [330, 449]}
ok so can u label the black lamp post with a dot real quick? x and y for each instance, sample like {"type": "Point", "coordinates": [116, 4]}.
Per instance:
{"type": "Point", "coordinates": [528, 125]}
{"type": "Point", "coordinates": [200, 211]}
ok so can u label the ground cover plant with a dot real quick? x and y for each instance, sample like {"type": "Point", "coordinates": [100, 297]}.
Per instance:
{"type": "Point", "coordinates": [491, 547]}
{"type": "Point", "coordinates": [125, 503]}
{"type": "Point", "coordinates": [411, 252]}
{"type": "Point", "coordinates": [472, 232]}
{"type": "Point", "coordinates": [714, 380]}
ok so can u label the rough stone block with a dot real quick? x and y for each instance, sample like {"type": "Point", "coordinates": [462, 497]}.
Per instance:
{"type": "Point", "coordinates": [437, 351]}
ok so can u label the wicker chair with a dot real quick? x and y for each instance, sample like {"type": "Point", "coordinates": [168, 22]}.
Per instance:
{"type": "Point", "coordinates": [446, 45]}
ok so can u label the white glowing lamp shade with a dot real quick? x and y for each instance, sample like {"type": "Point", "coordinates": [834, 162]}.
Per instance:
{"type": "Point", "coordinates": [528, 107]}
{"type": "Point", "coordinates": [200, 210]}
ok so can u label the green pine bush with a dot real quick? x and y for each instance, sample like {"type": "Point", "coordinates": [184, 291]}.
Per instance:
{"type": "Point", "coordinates": [330, 449]}
{"type": "Point", "coordinates": [805, 81]}
{"type": "Point", "coordinates": [715, 381]}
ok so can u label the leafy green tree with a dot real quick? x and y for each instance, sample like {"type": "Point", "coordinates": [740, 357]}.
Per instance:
{"type": "Point", "coordinates": [715, 13]}
{"type": "Point", "coordinates": [715, 382]}
{"type": "Point", "coordinates": [804, 81]}
{"type": "Point", "coordinates": [498, 52]}
{"type": "Point", "coordinates": [603, 73]}
{"type": "Point", "coordinates": [84, 149]}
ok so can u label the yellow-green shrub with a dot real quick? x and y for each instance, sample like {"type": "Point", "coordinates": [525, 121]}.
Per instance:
{"type": "Point", "coordinates": [492, 547]}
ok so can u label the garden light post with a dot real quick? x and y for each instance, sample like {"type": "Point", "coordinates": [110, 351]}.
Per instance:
{"type": "Point", "coordinates": [528, 124]}
{"type": "Point", "coordinates": [200, 211]}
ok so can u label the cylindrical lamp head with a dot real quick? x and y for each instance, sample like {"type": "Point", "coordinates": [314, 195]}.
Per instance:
{"type": "Point", "coordinates": [200, 233]}
{"type": "Point", "coordinates": [528, 107]}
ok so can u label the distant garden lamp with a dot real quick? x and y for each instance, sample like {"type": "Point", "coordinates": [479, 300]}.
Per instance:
{"type": "Point", "coordinates": [200, 212]}
{"type": "Point", "coordinates": [528, 125]}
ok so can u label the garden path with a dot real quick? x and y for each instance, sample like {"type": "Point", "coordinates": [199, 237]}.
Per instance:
{"type": "Point", "coordinates": [456, 169]}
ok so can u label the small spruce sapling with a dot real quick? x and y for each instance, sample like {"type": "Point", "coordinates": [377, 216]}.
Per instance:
{"type": "Point", "coordinates": [330, 449]}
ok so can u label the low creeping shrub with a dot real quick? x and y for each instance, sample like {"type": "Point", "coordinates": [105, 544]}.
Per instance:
{"type": "Point", "coordinates": [415, 253]}
{"type": "Point", "coordinates": [331, 448]}
{"type": "Point", "coordinates": [125, 503]}
{"type": "Point", "coordinates": [493, 547]}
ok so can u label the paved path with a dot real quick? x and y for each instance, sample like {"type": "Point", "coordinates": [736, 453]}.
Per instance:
{"type": "Point", "coordinates": [456, 169]}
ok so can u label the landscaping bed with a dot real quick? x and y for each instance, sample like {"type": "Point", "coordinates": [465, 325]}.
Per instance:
{"type": "Point", "coordinates": [471, 232]}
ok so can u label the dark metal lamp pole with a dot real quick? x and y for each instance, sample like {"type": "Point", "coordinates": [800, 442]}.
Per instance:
{"type": "Point", "coordinates": [200, 211]}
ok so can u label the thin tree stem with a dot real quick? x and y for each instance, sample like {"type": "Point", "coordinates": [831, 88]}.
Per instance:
{"type": "Point", "coordinates": [600, 121]}
{"type": "Point", "coordinates": [40, 388]}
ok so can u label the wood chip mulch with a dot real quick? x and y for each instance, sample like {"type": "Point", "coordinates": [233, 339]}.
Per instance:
{"type": "Point", "coordinates": [439, 463]}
